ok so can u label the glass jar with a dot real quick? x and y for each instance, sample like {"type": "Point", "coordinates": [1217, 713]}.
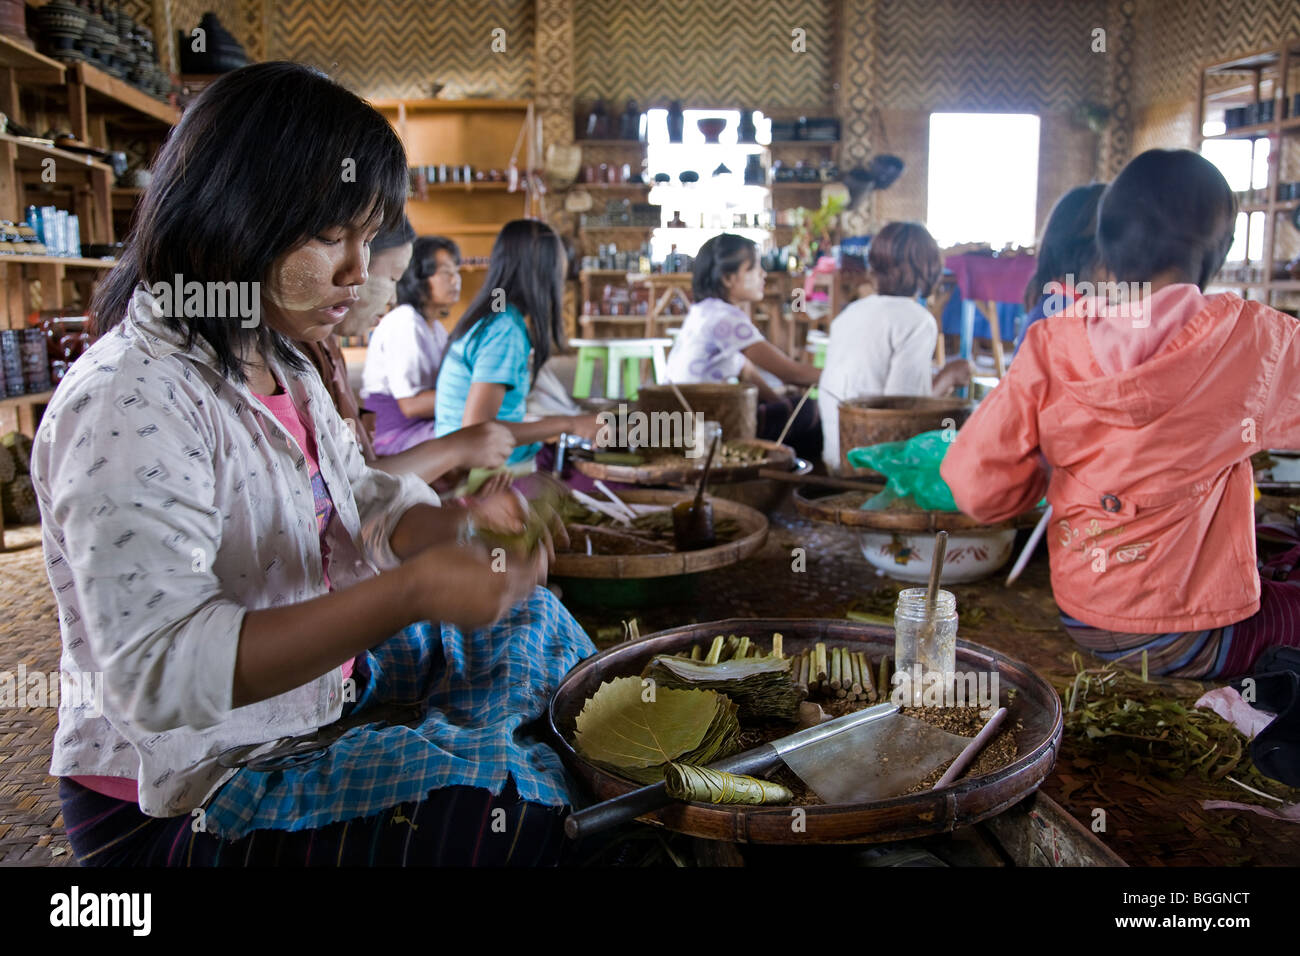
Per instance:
{"type": "Point", "coordinates": [935, 653]}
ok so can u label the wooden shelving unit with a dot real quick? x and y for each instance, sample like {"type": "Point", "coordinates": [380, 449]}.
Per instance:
{"type": "Point", "coordinates": [589, 238]}
{"type": "Point", "coordinates": [1265, 75]}
{"type": "Point", "coordinates": [39, 92]}
{"type": "Point", "coordinates": [482, 134]}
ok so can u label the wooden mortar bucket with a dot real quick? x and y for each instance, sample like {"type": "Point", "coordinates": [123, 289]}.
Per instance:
{"type": "Point", "coordinates": [876, 419]}
{"type": "Point", "coordinates": [734, 407]}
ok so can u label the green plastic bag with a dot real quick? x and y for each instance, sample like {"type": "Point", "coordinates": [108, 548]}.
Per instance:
{"type": "Point", "coordinates": [912, 468]}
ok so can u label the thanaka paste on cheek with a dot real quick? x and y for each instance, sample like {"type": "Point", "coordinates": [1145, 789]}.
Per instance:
{"type": "Point", "coordinates": [302, 280]}
{"type": "Point", "coordinates": [376, 295]}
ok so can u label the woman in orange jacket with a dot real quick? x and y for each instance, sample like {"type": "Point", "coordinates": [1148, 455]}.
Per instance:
{"type": "Point", "coordinates": [1136, 412]}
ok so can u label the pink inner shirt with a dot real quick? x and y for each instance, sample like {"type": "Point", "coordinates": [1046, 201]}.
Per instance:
{"type": "Point", "coordinates": [300, 427]}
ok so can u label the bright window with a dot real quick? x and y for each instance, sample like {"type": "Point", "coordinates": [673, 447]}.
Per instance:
{"type": "Point", "coordinates": [1244, 164]}
{"type": "Point", "coordinates": [983, 178]}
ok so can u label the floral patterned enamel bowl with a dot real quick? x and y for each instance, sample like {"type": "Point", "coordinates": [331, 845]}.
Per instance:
{"type": "Point", "coordinates": [899, 543]}
{"type": "Point", "coordinates": [971, 555]}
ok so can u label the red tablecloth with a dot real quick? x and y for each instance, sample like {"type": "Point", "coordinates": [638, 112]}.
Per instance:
{"type": "Point", "coordinates": [989, 277]}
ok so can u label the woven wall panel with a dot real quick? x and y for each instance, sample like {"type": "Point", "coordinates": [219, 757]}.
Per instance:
{"type": "Point", "coordinates": [724, 52]}
{"type": "Point", "coordinates": [855, 60]}
{"type": "Point", "coordinates": [1176, 38]}
{"type": "Point", "coordinates": [399, 47]}
{"type": "Point", "coordinates": [1004, 55]}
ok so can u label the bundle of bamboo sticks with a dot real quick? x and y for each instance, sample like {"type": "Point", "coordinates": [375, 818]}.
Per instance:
{"type": "Point", "coordinates": [837, 672]}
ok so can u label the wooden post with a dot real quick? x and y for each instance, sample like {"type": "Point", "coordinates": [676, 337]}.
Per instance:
{"type": "Point", "coordinates": [9, 104]}
{"type": "Point", "coordinates": [995, 336]}
{"type": "Point", "coordinates": [78, 116]}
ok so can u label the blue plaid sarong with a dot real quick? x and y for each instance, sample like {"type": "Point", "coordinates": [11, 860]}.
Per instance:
{"type": "Point", "coordinates": [482, 687]}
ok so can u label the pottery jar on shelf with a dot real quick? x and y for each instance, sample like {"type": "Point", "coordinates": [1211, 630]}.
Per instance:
{"type": "Point", "coordinates": [62, 23]}
{"type": "Point", "coordinates": [676, 121]}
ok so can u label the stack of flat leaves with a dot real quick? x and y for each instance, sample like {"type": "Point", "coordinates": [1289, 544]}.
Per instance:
{"type": "Point", "coordinates": [760, 686]}
{"type": "Point", "coordinates": [635, 729]}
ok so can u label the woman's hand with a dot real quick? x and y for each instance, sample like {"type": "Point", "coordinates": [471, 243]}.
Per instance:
{"type": "Point", "coordinates": [485, 445]}
{"type": "Point", "coordinates": [584, 426]}
{"type": "Point", "coordinates": [954, 374]}
{"type": "Point", "coordinates": [468, 587]}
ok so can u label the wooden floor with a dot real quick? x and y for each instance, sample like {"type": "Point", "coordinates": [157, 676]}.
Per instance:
{"type": "Point", "coordinates": [1143, 827]}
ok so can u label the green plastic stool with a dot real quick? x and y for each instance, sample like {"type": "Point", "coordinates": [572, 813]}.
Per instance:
{"type": "Point", "coordinates": [589, 353]}
{"type": "Point", "coordinates": [620, 356]}
{"type": "Point", "coordinates": [818, 350]}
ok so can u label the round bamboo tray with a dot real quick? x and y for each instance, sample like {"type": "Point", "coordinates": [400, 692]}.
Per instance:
{"type": "Point", "coordinates": [968, 801]}
{"type": "Point", "coordinates": [753, 534]}
{"type": "Point", "coordinates": [875, 419]}
{"type": "Point", "coordinates": [734, 407]}
{"type": "Point", "coordinates": [845, 508]}
{"type": "Point", "coordinates": [686, 471]}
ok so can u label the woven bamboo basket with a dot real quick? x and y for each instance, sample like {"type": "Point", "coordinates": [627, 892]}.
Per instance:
{"type": "Point", "coordinates": [734, 407]}
{"type": "Point", "coordinates": [876, 419]}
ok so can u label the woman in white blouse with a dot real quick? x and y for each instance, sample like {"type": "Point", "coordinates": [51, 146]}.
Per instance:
{"type": "Point", "coordinates": [884, 344]}
{"type": "Point", "coordinates": [221, 553]}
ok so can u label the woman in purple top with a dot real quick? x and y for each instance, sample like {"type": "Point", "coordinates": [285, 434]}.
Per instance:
{"type": "Point", "coordinates": [406, 348]}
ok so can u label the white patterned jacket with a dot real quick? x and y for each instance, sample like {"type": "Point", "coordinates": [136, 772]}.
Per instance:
{"type": "Point", "coordinates": [172, 502]}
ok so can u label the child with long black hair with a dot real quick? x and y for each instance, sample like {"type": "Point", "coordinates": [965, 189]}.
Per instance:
{"type": "Point", "coordinates": [1137, 414]}
{"type": "Point", "coordinates": [505, 337]}
{"type": "Point", "coordinates": [221, 553]}
{"type": "Point", "coordinates": [719, 342]}
{"type": "Point", "coordinates": [1067, 255]}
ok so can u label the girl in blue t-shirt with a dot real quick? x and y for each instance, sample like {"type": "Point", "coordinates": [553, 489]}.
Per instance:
{"type": "Point", "coordinates": [487, 372]}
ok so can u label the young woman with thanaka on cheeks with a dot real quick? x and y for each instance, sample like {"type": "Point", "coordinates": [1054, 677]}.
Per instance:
{"type": "Point", "coordinates": [220, 551]}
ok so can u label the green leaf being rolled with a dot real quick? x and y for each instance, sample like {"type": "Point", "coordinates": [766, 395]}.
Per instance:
{"type": "Point", "coordinates": [702, 785]}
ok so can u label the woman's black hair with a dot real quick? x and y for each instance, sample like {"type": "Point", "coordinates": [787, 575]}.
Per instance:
{"type": "Point", "coordinates": [1167, 210]}
{"type": "Point", "coordinates": [527, 271]}
{"type": "Point", "coordinates": [718, 258]}
{"type": "Point", "coordinates": [412, 289]}
{"type": "Point", "coordinates": [265, 159]}
{"type": "Point", "coordinates": [1068, 245]}
{"type": "Point", "coordinates": [400, 234]}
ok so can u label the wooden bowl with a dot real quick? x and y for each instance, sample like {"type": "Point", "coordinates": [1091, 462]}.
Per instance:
{"type": "Point", "coordinates": [753, 534]}
{"type": "Point", "coordinates": [875, 419]}
{"type": "Point", "coordinates": [968, 801]}
{"type": "Point", "coordinates": [686, 471]}
{"type": "Point", "coordinates": [845, 508]}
